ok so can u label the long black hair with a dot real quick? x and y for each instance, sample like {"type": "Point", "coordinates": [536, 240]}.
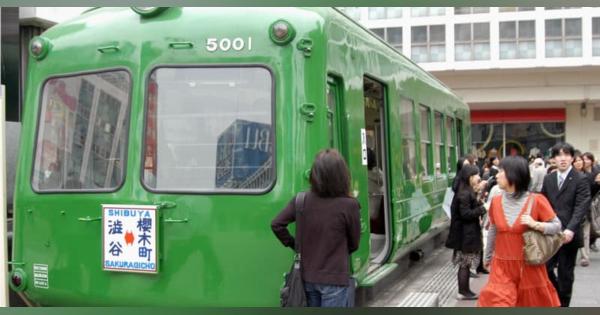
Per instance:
{"type": "Point", "coordinates": [464, 176]}
{"type": "Point", "coordinates": [460, 163]}
{"type": "Point", "coordinates": [516, 171]}
{"type": "Point", "coordinates": [329, 175]}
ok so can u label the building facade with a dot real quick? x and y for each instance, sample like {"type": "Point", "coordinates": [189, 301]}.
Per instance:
{"type": "Point", "coordinates": [531, 75]}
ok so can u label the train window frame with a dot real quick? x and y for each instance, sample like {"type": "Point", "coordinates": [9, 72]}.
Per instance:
{"type": "Point", "coordinates": [428, 172]}
{"type": "Point", "coordinates": [126, 131]}
{"type": "Point", "coordinates": [460, 137]}
{"type": "Point", "coordinates": [438, 147]}
{"type": "Point", "coordinates": [334, 88]}
{"type": "Point", "coordinates": [451, 144]}
{"type": "Point", "coordinates": [273, 86]}
{"type": "Point", "coordinates": [411, 140]}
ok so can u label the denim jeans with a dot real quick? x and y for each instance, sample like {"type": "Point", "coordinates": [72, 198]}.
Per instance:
{"type": "Point", "coordinates": [323, 295]}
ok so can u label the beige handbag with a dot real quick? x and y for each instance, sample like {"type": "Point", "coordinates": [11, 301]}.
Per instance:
{"type": "Point", "coordinates": [539, 247]}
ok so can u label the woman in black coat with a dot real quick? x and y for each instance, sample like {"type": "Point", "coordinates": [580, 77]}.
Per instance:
{"type": "Point", "coordinates": [465, 228]}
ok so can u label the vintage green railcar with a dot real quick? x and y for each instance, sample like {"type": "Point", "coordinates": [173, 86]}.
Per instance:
{"type": "Point", "coordinates": [158, 144]}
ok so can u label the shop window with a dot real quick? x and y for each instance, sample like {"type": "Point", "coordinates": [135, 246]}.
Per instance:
{"type": "Point", "coordinates": [596, 36]}
{"type": "Point", "coordinates": [427, 11]}
{"type": "Point", "coordinates": [517, 40]}
{"type": "Point", "coordinates": [392, 35]}
{"type": "Point", "coordinates": [380, 13]}
{"type": "Point", "coordinates": [563, 38]}
{"type": "Point", "coordinates": [523, 139]}
{"type": "Point", "coordinates": [428, 43]}
{"type": "Point", "coordinates": [379, 32]}
{"type": "Point", "coordinates": [471, 10]}
{"type": "Point", "coordinates": [515, 9]}
{"type": "Point", "coordinates": [472, 41]}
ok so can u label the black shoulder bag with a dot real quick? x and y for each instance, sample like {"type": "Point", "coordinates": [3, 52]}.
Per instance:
{"type": "Point", "coordinates": [292, 294]}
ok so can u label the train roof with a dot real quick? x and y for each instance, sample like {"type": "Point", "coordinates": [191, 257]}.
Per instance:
{"type": "Point", "coordinates": [107, 16]}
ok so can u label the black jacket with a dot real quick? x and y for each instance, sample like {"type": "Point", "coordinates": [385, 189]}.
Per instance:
{"type": "Point", "coordinates": [330, 232]}
{"type": "Point", "coordinates": [465, 230]}
{"type": "Point", "coordinates": [594, 187]}
{"type": "Point", "coordinates": [571, 202]}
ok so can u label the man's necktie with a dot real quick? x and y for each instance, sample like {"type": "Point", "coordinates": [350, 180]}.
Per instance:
{"type": "Point", "coordinates": [561, 180]}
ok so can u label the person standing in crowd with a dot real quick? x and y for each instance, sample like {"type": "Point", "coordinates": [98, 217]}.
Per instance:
{"type": "Point", "coordinates": [465, 228]}
{"type": "Point", "coordinates": [569, 194]}
{"type": "Point", "coordinates": [462, 161]}
{"type": "Point", "coordinates": [592, 171]}
{"type": "Point", "coordinates": [512, 281]}
{"type": "Point", "coordinates": [578, 162]}
{"type": "Point", "coordinates": [551, 166]}
{"type": "Point", "coordinates": [375, 176]}
{"type": "Point", "coordinates": [537, 175]}
{"type": "Point", "coordinates": [330, 231]}
{"type": "Point", "coordinates": [584, 252]}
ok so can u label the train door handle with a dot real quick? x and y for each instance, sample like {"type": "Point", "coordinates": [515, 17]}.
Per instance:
{"type": "Point", "coordinates": [89, 219]}
{"type": "Point", "coordinates": [170, 220]}
{"type": "Point", "coordinates": [165, 205]}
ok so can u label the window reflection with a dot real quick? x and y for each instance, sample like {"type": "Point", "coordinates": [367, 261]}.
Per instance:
{"type": "Point", "coordinates": [81, 137]}
{"type": "Point", "coordinates": [209, 129]}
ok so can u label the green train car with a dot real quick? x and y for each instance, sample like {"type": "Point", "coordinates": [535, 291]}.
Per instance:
{"type": "Point", "coordinates": [158, 144]}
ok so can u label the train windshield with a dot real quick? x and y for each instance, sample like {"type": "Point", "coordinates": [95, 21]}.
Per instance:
{"type": "Point", "coordinates": [82, 132]}
{"type": "Point", "coordinates": [209, 129]}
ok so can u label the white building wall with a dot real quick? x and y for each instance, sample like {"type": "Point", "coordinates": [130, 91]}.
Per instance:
{"type": "Point", "coordinates": [582, 131]}
{"type": "Point", "coordinates": [537, 83]}
{"type": "Point", "coordinates": [494, 17]}
{"type": "Point", "coordinates": [48, 16]}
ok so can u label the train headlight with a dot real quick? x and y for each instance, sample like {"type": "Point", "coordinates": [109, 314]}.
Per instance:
{"type": "Point", "coordinates": [148, 11]}
{"type": "Point", "coordinates": [39, 47]}
{"type": "Point", "coordinates": [18, 279]}
{"type": "Point", "coordinates": [281, 32]}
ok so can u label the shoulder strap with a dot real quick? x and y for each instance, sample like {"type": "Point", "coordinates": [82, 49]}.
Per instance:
{"type": "Point", "coordinates": [529, 203]}
{"type": "Point", "coordinates": [299, 206]}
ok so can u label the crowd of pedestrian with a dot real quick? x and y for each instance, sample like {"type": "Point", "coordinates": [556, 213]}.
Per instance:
{"type": "Point", "coordinates": [508, 197]}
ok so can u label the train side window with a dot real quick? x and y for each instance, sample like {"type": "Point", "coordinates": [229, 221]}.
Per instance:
{"type": "Point", "coordinates": [81, 139]}
{"type": "Point", "coordinates": [459, 137]}
{"type": "Point", "coordinates": [426, 150]}
{"type": "Point", "coordinates": [408, 139]}
{"type": "Point", "coordinates": [209, 129]}
{"type": "Point", "coordinates": [438, 156]}
{"type": "Point", "coordinates": [451, 144]}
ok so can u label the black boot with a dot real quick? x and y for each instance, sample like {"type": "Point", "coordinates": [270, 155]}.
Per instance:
{"type": "Point", "coordinates": [464, 292]}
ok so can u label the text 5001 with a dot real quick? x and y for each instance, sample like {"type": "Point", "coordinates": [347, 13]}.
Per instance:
{"type": "Point", "coordinates": [226, 44]}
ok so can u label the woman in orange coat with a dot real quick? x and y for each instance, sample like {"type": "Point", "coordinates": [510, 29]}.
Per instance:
{"type": "Point", "coordinates": [513, 282]}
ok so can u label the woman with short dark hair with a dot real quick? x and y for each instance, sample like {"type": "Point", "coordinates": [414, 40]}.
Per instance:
{"type": "Point", "coordinates": [512, 282]}
{"type": "Point", "coordinates": [465, 228]}
{"type": "Point", "coordinates": [329, 232]}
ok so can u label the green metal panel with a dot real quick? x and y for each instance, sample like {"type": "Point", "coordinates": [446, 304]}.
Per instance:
{"type": "Point", "coordinates": [225, 254]}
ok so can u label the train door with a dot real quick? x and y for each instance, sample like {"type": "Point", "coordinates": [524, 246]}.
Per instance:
{"type": "Point", "coordinates": [338, 131]}
{"type": "Point", "coordinates": [375, 126]}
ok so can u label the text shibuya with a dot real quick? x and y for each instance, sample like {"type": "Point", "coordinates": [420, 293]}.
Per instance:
{"type": "Point", "coordinates": [128, 213]}
{"type": "Point", "coordinates": [129, 265]}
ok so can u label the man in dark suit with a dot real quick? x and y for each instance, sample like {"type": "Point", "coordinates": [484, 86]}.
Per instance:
{"type": "Point", "coordinates": [569, 194]}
